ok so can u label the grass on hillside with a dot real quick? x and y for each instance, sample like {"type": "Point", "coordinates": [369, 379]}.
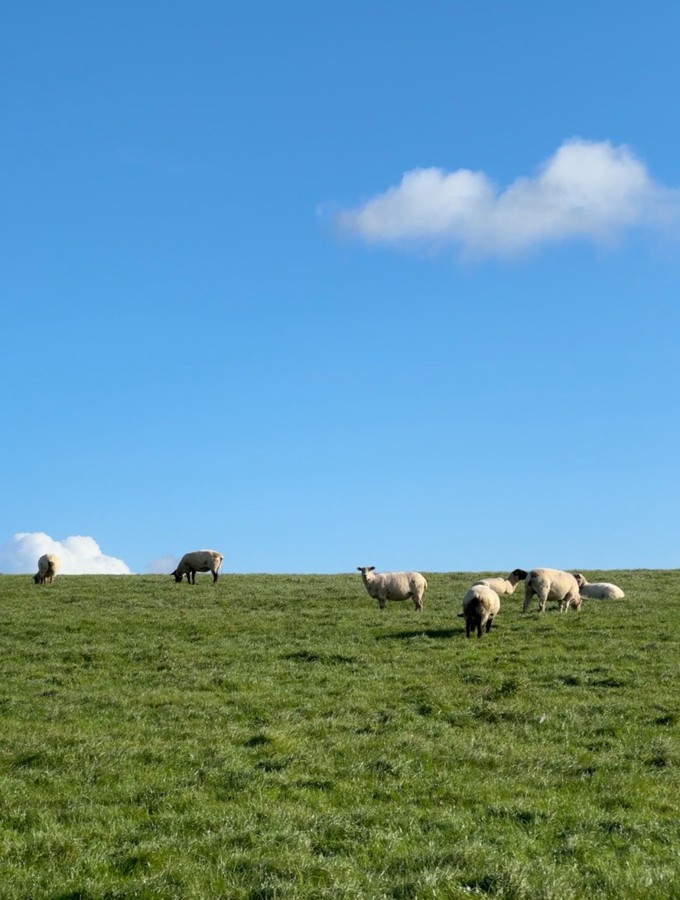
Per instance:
{"type": "Point", "coordinates": [279, 736]}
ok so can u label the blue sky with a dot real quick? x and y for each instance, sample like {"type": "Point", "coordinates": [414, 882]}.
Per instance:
{"type": "Point", "coordinates": [326, 285]}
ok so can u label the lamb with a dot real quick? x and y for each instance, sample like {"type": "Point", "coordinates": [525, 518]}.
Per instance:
{"type": "Point", "coordinates": [480, 605]}
{"type": "Point", "coordinates": [48, 566]}
{"type": "Point", "coordinates": [504, 585]}
{"type": "Point", "coordinates": [551, 584]}
{"type": "Point", "coordinates": [394, 586]}
{"type": "Point", "coordinates": [198, 561]}
{"type": "Point", "coordinates": [598, 590]}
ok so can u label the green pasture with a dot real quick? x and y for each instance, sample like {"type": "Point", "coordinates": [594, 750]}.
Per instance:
{"type": "Point", "coordinates": [280, 737]}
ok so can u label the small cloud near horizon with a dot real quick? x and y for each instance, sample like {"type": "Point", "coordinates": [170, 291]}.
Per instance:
{"type": "Point", "coordinates": [161, 565]}
{"type": "Point", "coordinates": [79, 555]}
{"type": "Point", "coordinates": [587, 189]}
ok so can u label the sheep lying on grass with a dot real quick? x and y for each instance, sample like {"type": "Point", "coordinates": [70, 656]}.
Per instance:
{"type": "Point", "coordinates": [48, 566]}
{"type": "Point", "coordinates": [480, 605]}
{"type": "Point", "coordinates": [504, 585]}
{"type": "Point", "coordinates": [198, 561]}
{"type": "Point", "coordinates": [551, 584]}
{"type": "Point", "coordinates": [598, 590]}
{"type": "Point", "coordinates": [394, 586]}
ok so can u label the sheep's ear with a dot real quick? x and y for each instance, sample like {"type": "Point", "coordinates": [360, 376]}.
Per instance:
{"type": "Point", "coordinates": [370, 568]}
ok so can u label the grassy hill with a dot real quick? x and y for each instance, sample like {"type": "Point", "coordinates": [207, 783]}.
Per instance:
{"type": "Point", "coordinates": [279, 736]}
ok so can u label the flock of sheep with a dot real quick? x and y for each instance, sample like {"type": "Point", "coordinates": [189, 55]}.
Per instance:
{"type": "Point", "coordinates": [480, 603]}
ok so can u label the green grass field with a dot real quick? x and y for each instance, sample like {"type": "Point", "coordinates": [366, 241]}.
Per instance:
{"type": "Point", "coordinates": [279, 736]}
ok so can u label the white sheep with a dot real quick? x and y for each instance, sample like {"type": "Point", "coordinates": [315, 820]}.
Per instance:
{"type": "Point", "coordinates": [504, 585]}
{"type": "Point", "coordinates": [551, 584]}
{"type": "Point", "coordinates": [198, 561]}
{"type": "Point", "coordinates": [598, 590]}
{"type": "Point", "coordinates": [48, 566]}
{"type": "Point", "coordinates": [480, 605]}
{"type": "Point", "coordinates": [394, 586]}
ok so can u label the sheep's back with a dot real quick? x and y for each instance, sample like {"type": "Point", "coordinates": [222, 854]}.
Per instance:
{"type": "Point", "coordinates": [481, 598]}
{"type": "Point", "coordinates": [201, 560]}
{"type": "Point", "coordinates": [498, 585]}
{"type": "Point", "coordinates": [401, 584]}
{"type": "Point", "coordinates": [49, 562]}
{"type": "Point", "coordinates": [602, 591]}
{"type": "Point", "coordinates": [557, 582]}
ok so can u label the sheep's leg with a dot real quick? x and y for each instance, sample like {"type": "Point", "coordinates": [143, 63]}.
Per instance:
{"type": "Point", "coordinates": [214, 577]}
{"type": "Point", "coordinates": [528, 597]}
{"type": "Point", "coordinates": [479, 628]}
{"type": "Point", "coordinates": [488, 625]}
{"type": "Point", "coordinates": [468, 626]}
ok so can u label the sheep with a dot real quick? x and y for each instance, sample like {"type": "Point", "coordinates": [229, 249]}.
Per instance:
{"type": "Point", "coordinates": [48, 566]}
{"type": "Point", "coordinates": [198, 561]}
{"type": "Point", "coordinates": [598, 590]}
{"type": "Point", "coordinates": [551, 584]}
{"type": "Point", "coordinates": [480, 604]}
{"type": "Point", "coordinates": [503, 585]}
{"type": "Point", "coordinates": [394, 586]}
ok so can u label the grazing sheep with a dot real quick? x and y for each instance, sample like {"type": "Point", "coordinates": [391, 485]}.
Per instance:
{"type": "Point", "coordinates": [480, 605]}
{"type": "Point", "coordinates": [198, 561]}
{"type": "Point", "coordinates": [394, 586]}
{"type": "Point", "coordinates": [504, 585]}
{"type": "Point", "coordinates": [551, 584]}
{"type": "Point", "coordinates": [598, 590]}
{"type": "Point", "coordinates": [48, 566]}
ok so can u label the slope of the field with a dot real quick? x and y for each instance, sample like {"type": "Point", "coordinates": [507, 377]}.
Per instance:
{"type": "Point", "coordinates": [279, 736]}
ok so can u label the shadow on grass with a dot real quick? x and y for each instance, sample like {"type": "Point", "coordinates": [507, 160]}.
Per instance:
{"type": "Point", "coordinates": [435, 633]}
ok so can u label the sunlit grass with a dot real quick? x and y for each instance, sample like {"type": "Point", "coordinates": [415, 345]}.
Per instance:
{"type": "Point", "coordinates": [279, 736]}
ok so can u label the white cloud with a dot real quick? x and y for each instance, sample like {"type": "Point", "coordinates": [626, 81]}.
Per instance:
{"type": "Point", "coordinates": [79, 555]}
{"type": "Point", "coordinates": [589, 190]}
{"type": "Point", "coordinates": [162, 565]}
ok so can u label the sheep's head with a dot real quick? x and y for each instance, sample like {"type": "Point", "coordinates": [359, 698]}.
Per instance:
{"type": "Point", "coordinates": [364, 569]}
{"type": "Point", "coordinates": [177, 575]}
{"type": "Point", "coordinates": [580, 580]}
{"type": "Point", "coordinates": [36, 578]}
{"type": "Point", "coordinates": [518, 575]}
